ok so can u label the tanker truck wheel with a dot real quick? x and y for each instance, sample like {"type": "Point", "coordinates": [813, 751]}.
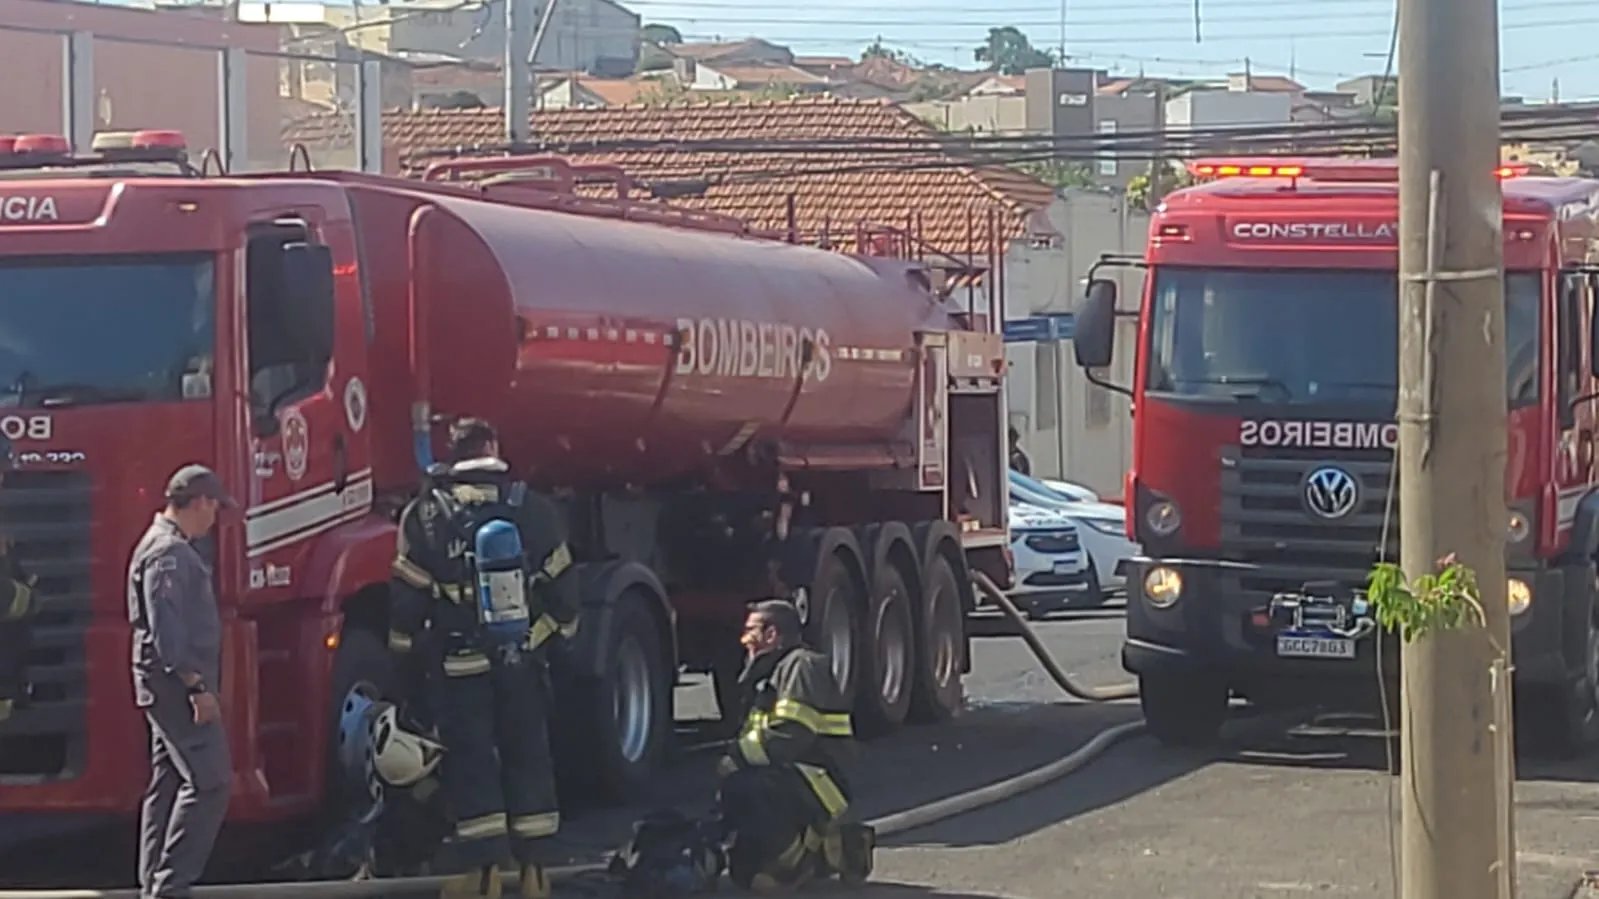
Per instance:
{"type": "Point", "coordinates": [837, 602]}
{"type": "Point", "coordinates": [628, 710]}
{"type": "Point", "coordinates": [884, 697]}
{"type": "Point", "coordinates": [940, 656]}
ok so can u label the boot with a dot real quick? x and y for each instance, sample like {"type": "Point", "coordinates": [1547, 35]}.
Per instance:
{"type": "Point", "coordinates": [849, 849]}
{"type": "Point", "coordinates": [480, 883]}
{"type": "Point", "coordinates": [535, 882]}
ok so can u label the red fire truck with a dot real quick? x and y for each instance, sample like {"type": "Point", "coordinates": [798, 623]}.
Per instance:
{"type": "Point", "coordinates": [724, 417]}
{"type": "Point", "coordinates": [1262, 471]}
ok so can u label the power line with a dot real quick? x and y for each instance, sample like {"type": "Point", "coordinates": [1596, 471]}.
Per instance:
{"type": "Point", "coordinates": [1141, 38]}
{"type": "Point", "coordinates": [988, 20]}
{"type": "Point", "coordinates": [1267, 8]}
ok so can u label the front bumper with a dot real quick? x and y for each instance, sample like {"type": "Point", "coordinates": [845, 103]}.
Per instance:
{"type": "Point", "coordinates": [1214, 627]}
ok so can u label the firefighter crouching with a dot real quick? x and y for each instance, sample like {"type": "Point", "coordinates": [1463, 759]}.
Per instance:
{"type": "Point", "coordinates": [784, 795]}
{"type": "Point", "coordinates": [478, 592]}
{"type": "Point", "coordinates": [16, 605]}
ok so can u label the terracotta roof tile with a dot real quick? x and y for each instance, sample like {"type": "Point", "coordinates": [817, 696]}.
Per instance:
{"type": "Point", "coordinates": [833, 188]}
{"type": "Point", "coordinates": [765, 75]}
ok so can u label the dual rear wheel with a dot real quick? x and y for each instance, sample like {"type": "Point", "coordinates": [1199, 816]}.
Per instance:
{"type": "Point", "coordinates": [892, 620]}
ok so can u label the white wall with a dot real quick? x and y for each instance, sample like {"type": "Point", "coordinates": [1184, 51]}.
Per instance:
{"type": "Point", "coordinates": [1045, 387]}
{"type": "Point", "coordinates": [1222, 109]}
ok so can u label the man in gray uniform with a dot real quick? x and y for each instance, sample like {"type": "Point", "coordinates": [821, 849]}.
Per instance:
{"type": "Point", "coordinates": [177, 649]}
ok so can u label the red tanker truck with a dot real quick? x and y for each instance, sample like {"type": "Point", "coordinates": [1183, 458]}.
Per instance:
{"type": "Point", "coordinates": [721, 416]}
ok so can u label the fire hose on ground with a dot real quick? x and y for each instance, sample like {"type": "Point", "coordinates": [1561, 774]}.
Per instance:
{"type": "Point", "coordinates": [886, 826]}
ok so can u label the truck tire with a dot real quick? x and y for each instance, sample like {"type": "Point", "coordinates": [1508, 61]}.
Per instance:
{"type": "Point", "coordinates": [627, 711]}
{"type": "Point", "coordinates": [887, 668]}
{"type": "Point", "coordinates": [937, 695]}
{"type": "Point", "coordinates": [1183, 711]}
{"type": "Point", "coordinates": [1564, 721]}
{"type": "Point", "coordinates": [362, 660]}
{"type": "Point", "coordinates": [837, 605]}
{"type": "Point", "coordinates": [1094, 596]}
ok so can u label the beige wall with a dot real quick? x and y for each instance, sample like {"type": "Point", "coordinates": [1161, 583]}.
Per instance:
{"type": "Point", "coordinates": [1070, 427]}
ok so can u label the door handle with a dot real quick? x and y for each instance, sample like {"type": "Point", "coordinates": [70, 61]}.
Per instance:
{"type": "Point", "coordinates": [341, 464]}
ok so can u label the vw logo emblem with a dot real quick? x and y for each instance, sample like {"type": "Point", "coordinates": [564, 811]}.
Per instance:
{"type": "Point", "coordinates": [1331, 493]}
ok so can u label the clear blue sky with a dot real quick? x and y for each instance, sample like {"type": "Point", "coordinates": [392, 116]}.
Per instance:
{"type": "Point", "coordinates": [1323, 41]}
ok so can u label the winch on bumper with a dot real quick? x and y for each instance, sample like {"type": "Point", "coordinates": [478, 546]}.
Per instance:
{"type": "Point", "coordinates": [1196, 635]}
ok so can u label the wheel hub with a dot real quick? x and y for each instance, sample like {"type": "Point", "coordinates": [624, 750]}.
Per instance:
{"type": "Point", "coordinates": [632, 700]}
{"type": "Point", "coordinates": [893, 649]}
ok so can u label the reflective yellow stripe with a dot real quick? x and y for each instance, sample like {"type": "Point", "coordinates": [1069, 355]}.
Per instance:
{"type": "Point", "coordinates": [411, 573]}
{"type": "Point", "coordinates": [467, 664]}
{"type": "Point", "coordinates": [825, 789]}
{"type": "Point", "coordinates": [21, 600]}
{"type": "Point", "coordinates": [826, 724]}
{"type": "Point", "coordinates": [481, 827]}
{"type": "Point", "coordinates": [751, 747]}
{"type": "Point", "coordinates": [456, 593]}
{"type": "Point", "coordinates": [399, 642]}
{"type": "Point", "coordinates": [556, 562]}
{"type": "Point", "coordinates": [569, 629]}
{"type": "Point", "coordinates": [5, 709]}
{"type": "Point", "coordinates": [544, 825]}
{"type": "Point", "coordinates": [543, 629]}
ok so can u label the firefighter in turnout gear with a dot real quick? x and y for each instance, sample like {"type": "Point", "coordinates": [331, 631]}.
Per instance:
{"type": "Point", "coordinates": [784, 796]}
{"type": "Point", "coordinates": [480, 586]}
{"type": "Point", "coordinates": [16, 606]}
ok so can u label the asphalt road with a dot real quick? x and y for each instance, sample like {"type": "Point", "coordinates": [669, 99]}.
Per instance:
{"type": "Point", "coordinates": [1280, 810]}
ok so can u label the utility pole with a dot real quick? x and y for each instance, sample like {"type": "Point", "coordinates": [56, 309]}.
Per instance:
{"type": "Point", "coordinates": [1457, 840]}
{"type": "Point", "coordinates": [1158, 173]}
{"type": "Point", "coordinates": [518, 73]}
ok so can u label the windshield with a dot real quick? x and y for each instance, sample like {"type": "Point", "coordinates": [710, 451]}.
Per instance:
{"type": "Point", "coordinates": [1303, 336]}
{"type": "Point", "coordinates": [1033, 491]}
{"type": "Point", "coordinates": [90, 330]}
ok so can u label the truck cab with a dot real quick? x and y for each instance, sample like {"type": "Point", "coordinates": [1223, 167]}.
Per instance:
{"type": "Point", "coordinates": [148, 319]}
{"type": "Point", "coordinates": [1262, 485]}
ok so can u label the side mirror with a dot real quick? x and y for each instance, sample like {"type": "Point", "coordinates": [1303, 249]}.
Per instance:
{"type": "Point", "coordinates": [308, 297]}
{"type": "Point", "coordinates": [1094, 327]}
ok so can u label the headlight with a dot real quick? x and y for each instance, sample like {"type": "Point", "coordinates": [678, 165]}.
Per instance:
{"type": "Point", "coordinates": [1518, 527]}
{"type": "Point", "coordinates": [1518, 595]}
{"type": "Point", "coordinates": [1163, 517]}
{"type": "Point", "coordinates": [1114, 527]}
{"type": "Point", "coordinates": [1163, 587]}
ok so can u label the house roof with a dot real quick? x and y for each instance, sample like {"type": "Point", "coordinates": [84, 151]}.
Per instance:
{"type": "Point", "coordinates": [1271, 84]}
{"type": "Point", "coordinates": [833, 188]}
{"type": "Point", "coordinates": [618, 91]}
{"type": "Point", "coordinates": [708, 51]}
{"type": "Point", "coordinates": [765, 75]}
{"type": "Point", "coordinates": [824, 62]}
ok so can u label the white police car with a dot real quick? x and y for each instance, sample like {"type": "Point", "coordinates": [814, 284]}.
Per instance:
{"type": "Point", "coordinates": [1051, 566]}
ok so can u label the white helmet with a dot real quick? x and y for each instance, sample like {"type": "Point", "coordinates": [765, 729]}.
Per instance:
{"type": "Point", "coordinates": [402, 758]}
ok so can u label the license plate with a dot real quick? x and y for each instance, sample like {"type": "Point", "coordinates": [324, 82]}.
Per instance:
{"type": "Point", "coordinates": [1064, 566]}
{"type": "Point", "coordinates": [1294, 646]}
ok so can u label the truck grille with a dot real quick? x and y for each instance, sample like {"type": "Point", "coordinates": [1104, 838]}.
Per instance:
{"type": "Point", "coordinates": [1052, 542]}
{"type": "Point", "coordinates": [1267, 519]}
{"type": "Point", "coordinates": [47, 517]}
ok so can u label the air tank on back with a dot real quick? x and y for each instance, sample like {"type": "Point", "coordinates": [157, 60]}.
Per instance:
{"type": "Point", "coordinates": [616, 352]}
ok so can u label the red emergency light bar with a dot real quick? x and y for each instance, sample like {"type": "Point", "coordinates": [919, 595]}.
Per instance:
{"type": "Point", "coordinates": [41, 144]}
{"type": "Point", "coordinates": [1344, 170]}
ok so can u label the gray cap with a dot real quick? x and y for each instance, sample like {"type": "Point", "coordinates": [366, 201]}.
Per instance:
{"type": "Point", "coordinates": [197, 482]}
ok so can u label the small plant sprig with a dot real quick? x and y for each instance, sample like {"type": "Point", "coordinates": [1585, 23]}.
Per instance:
{"type": "Point", "coordinates": [1446, 598]}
